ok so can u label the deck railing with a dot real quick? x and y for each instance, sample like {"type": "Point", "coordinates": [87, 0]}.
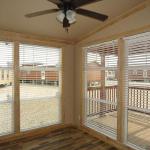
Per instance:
{"type": "Point", "coordinates": [138, 99]}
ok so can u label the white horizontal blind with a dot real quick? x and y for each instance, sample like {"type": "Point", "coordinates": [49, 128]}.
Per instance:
{"type": "Point", "coordinates": [101, 65]}
{"type": "Point", "coordinates": [6, 88]}
{"type": "Point", "coordinates": [39, 86]}
{"type": "Point", "coordinates": [138, 47]}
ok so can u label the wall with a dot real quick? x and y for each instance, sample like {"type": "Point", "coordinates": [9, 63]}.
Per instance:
{"type": "Point", "coordinates": [68, 83]}
{"type": "Point", "coordinates": [137, 22]}
{"type": "Point", "coordinates": [78, 84]}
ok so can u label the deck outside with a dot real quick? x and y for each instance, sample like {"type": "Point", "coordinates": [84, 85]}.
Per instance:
{"type": "Point", "coordinates": [138, 126]}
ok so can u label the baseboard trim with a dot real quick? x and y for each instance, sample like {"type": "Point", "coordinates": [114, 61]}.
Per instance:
{"type": "Point", "coordinates": [104, 138]}
{"type": "Point", "coordinates": [43, 131]}
{"type": "Point", "coordinates": [33, 133]}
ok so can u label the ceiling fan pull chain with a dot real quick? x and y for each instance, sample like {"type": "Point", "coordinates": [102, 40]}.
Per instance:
{"type": "Point", "coordinates": [67, 30]}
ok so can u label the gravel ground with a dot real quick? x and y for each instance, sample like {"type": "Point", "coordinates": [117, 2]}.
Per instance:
{"type": "Point", "coordinates": [39, 107]}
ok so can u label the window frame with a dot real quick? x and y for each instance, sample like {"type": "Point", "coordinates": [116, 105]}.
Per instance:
{"type": "Point", "coordinates": [85, 85]}
{"type": "Point", "coordinates": [122, 125]}
{"type": "Point", "coordinates": [16, 90]}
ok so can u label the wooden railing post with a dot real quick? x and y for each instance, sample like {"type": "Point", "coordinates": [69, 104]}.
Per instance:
{"type": "Point", "coordinates": [132, 100]}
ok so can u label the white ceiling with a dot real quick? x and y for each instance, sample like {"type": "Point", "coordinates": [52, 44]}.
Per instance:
{"type": "Point", "coordinates": [12, 17]}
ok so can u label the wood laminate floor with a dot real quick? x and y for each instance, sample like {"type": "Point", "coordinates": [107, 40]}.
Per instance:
{"type": "Point", "coordinates": [62, 139]}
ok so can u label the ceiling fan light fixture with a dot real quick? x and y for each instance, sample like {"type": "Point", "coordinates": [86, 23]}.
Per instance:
{"type": "Point", "coordinates": [71, 16]}
{"type": "Point", "coordinates": [60, 16]}
{"type": "Point", "coordinates": [72, 21]}
{"type": "Point", "coordinates": [67, 10]}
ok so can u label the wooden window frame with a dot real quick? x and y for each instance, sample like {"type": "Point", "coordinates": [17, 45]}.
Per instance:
{"type": "Point", "coordinates": [121, 141]}
{"type": "Point", "coordinates": [17, 133]}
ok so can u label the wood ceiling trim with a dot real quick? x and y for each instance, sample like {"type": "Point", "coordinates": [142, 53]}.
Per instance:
{"type": "Point", "coordinates": [37, 39]}
{"type": "Point", "coordinates": [108, 23]}
{"type": "Point", "coordinates": [115, 36]}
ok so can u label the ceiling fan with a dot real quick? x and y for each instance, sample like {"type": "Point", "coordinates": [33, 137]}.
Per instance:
{"type": "Point", "coordinates": [67, 10]}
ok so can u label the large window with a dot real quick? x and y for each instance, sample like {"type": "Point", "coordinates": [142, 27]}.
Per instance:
{"type": "Point", "coordinates": [39, 86]}
{"type": "Point", "coordinates": [101, 82]}
{"type": "Point", "coordinates": [127, 88]}
{"type": "Point", "coordinates": [6, 88]}
{"type": "Point", "coordinates": [30, 97]}
{"type": "Point", "coordinates": [138, 108]}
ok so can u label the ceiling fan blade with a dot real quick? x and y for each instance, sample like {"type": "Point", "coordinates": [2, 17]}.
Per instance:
{"type": "Point", "coordinates": [39, 13]}
{"type": "Point", "coordinates": [55, 1]}
{"type": "Point", "coordinates": [59, 3]}
{"type": "Point", "coordinates": [92, 14]}
{"type": "Point", "coordinates": [79, 3]}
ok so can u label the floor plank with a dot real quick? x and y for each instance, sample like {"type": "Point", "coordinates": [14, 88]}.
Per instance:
{"type": "Point", "coordinates": [64, 139]}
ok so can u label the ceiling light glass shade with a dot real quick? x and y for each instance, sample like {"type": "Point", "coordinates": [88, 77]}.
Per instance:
{"type": "Point", "coordinates": [70, 14]}
{"type": "Point", "coordinates": [60, 16]}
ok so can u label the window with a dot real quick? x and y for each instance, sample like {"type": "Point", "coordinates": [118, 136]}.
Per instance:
{"type": "Point", "coordinates": [40, 69]}
{"type": "Point", "coordinates": [138, 98]}
{"type": "Point", "coordinates": [6, 88]}
{"type": "Point", "coordinates": [7, 74]}
{"type": "Point", "coordinates": [101, 66]}
{"type": "Point", "coordinates": [144, 73]}
{"type": "Point", "coordinates": [40, 84]}
{"type": "Point", "coordinates": [134, 72]}
{"type": "Point", "coordinates": [2, 74]}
